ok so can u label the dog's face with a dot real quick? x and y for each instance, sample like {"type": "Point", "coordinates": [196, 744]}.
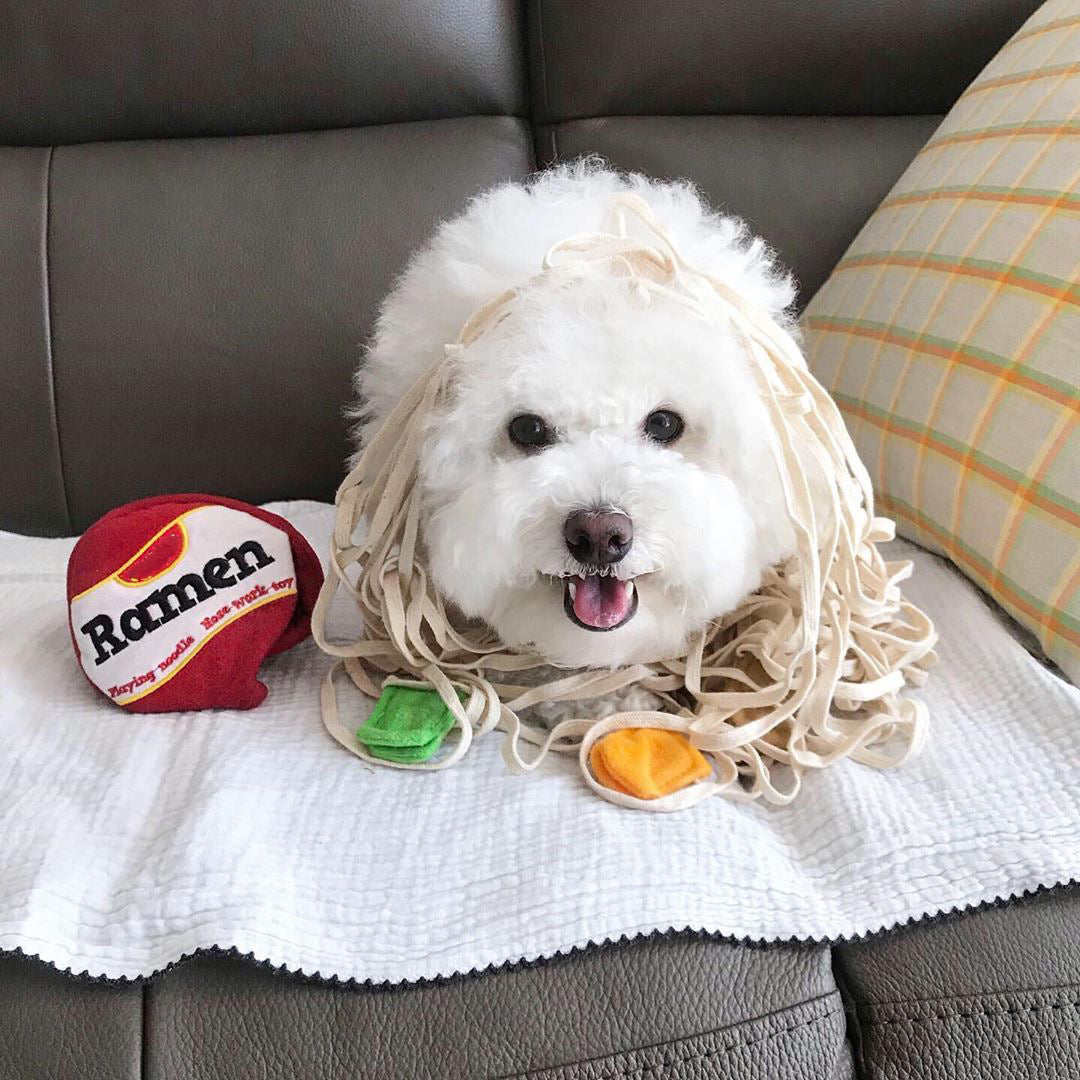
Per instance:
{"type": "Point", "coordinates": [601, 484]}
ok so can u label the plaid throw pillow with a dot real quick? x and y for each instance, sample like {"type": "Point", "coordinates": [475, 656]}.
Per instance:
{"type": "Point", "coordinates": [949, 335]}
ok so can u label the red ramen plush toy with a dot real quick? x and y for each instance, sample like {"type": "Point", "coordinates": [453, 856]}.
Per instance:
{"type": "Point", "coordinates": [174, 601]}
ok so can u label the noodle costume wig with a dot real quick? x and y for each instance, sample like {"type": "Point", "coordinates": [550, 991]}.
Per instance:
{"type": "Point", "coordinates": [741, 627]}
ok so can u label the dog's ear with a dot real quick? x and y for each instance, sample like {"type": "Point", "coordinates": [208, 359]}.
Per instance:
{"type": "Point", "coordinates": [775, 284]}
{"type": "Point", "coordinates": [721, 245]}
{"type": "Point", "coordinates": [746, 263]}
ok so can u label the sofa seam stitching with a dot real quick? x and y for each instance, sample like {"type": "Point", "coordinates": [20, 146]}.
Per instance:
{"type": "Point", "coordinates": [143, 1042]}
{"type": "Point", "coordinates": [972, 1014]}
{"type": "Point", "coordinates": [853, 1033]}
{"type": "Point", "coordinates": [543, 59]}
{"type": "Point", "coordinates": [945, 1001]}
{"type": "Point", "coordinates": [738, 1044]}
{"type": "Point", "coordinates": [676, 1059]}
{"type": "Point", "coordinates": [345, 126]}
{"type": "Point", "coordinates": [545, 93]}
{"type": "Point", "coordinates": [50, 351]}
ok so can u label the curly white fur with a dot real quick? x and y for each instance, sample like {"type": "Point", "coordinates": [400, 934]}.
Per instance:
{"type": "Point", "coordinates": [708, 512]}
{"type": "Point", "coordinates": [770, 628]}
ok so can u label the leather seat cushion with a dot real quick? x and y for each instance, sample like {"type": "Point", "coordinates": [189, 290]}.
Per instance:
{"type": "Point", "coordinates": [116, 70]}
{"type": "Point", "coordinates": [204, 303]}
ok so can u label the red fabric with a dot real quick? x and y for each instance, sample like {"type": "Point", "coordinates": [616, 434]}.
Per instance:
{"type": "Point", "coordinates": [223, 673]}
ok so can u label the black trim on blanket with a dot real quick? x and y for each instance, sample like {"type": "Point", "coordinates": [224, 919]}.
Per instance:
{"type": "Point", "coordinates": [507, 966]}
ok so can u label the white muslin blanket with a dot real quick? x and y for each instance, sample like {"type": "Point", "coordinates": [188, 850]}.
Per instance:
{"type": "Point", "coordinates": [127, 842]}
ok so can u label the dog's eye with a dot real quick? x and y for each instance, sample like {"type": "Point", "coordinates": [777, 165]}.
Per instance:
{"type": "Point", "coordinates": [663, 426]}
{"type": "Point", "coordinates": [529, 431]}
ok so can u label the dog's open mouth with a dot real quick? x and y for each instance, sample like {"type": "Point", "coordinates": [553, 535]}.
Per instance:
{"type": "Point", "coordinates": [599, 603]}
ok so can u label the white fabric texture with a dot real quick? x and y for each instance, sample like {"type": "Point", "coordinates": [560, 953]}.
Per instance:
{"type": "Point", "coordinates": [127, 842]}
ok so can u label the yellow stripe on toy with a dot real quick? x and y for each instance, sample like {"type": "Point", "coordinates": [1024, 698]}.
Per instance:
{"type": "Point", "coordinates": [647, 762]}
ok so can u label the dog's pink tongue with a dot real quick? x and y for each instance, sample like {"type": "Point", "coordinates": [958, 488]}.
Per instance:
{"type": "Point", "coordinates": [602, 602]}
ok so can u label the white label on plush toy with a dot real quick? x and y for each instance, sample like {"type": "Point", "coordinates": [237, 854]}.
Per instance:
{"type": "Point", "coordinates": [208, 567]}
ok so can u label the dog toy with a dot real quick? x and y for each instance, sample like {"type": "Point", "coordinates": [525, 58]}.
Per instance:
{"type": "Point", "coordinates": [647, 763]}
{"type": "Point", "coordinates": [805, 671]}
{"type": "Point", "coordinates": [174, 601]}
{"type": "Point", "coordinates": [407, 725]}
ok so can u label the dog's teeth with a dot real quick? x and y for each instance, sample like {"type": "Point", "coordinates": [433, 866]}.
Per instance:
{"type": "Point", "coordinates": [629, 589]}
{"type": "Point", "coordinates": [573, 590]}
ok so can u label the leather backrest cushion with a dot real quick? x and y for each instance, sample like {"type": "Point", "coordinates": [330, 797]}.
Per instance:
{"type": "Point", "coordinates": [205, 302]}
{"type": "Point", "coordinates": [796, 117]}
{"type": "Point", "coordinates": [31, 484]}
{"type": "Point", "coordinates": [805, 183]}
{"type": "Point", "coordinates": [185, 313]}
{"type": "Point", "coordinates": [113, 69]}
{"type": "Point", "coordinates": [838, 57]}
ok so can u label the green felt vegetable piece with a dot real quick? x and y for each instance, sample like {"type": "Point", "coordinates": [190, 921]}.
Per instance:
{"type": "Point", "coordinates": [408, 724]}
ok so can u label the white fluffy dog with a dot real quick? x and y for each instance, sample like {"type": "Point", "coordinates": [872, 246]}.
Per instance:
{"type": "Point", "coordinates": [601, 484]}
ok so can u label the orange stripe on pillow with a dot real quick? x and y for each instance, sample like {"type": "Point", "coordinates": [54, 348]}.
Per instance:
{"type": "Point", "coordinates": [1020, 78]}
{"type": "Point", "coordinates": [979, 359]}
{"type": "Point", "coordinates": [1063, 592]}
{"type": "Point", "coordinates": [1017, 277]}
{"type": "Point", "coordinates": [1030, 196]}
{"type": "Point", "coordinates": [1008, 592]}
{"type": "Point", "coordinates": [1046, 28]}
{"type": "Point", "coordinates": [999, 131]}
{"type": "Point", "coordinates": [1062, 431]}
{"type": "Point", "coordinates": [1052, 502]}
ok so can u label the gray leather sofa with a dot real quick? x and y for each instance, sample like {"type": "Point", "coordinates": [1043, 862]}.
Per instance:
{"type": "Point", "coordinates": [200, 206]}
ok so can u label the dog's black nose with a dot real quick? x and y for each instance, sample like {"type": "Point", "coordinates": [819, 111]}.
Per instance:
{"type": "Point", "coordinates": [598, 537]}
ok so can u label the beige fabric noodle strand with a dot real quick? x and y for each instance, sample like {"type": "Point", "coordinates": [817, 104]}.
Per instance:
{"type": "Point", "coordinates": [805, 671]}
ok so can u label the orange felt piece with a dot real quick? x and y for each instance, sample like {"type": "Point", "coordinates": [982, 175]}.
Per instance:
{"type": "Point", "coordinates": [600, 770]}
{"type": "Point", "coordinates": [647, 762]}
